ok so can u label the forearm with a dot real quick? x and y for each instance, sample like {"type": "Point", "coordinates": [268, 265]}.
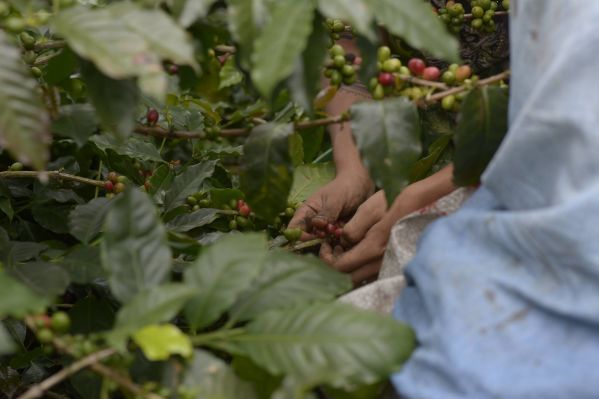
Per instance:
{"type": "Point", "coordinates": [419, 195]}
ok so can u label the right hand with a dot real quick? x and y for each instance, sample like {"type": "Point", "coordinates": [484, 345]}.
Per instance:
{"type": "Point", "coordinates": [337, 200]}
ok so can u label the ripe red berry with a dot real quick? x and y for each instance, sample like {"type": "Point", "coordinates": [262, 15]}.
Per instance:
{"type": "Point", "coordinates": [338, 232]}
{"type": "Point", "coordinates": [244, 210]}
{"type": "Point", "coordinates": [108, 185]}
{"type": "Point", "coordinates": [152, 116]}
{"type": "Point", "coordinates": [240, 203]}
{"type": "Point", "coordinates": [173, 69]}
{"type": "Point", "coordinates": [386, 79]}
{"type": "Point", "coordinates": [416, 66]}
{"type": "Point", "coordinates": [331, 228]}
{"type": "Point", "coordinates": [431, 73]}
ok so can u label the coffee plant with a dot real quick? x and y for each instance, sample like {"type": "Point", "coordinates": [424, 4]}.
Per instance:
{"type": "Point", "coordinates": [152, 153]}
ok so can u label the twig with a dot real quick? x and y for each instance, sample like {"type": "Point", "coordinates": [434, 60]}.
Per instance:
{"type": "Point", "coordinates": [225, 49]}
{"type": "Point", "coordinates": [497, 14]}
{"type": "Point", "coordinates": [305, 245]}
{"type": "Point", "coordinates": [237, 132]}
{"type": "Point", "coordinates": [483, 82]}
{"type": "Point", "coordinates": [38, 390]}
{"type": "Point", "coordinates": [422, 82]}
{"type": "Point", "coordinates": [50, 174]}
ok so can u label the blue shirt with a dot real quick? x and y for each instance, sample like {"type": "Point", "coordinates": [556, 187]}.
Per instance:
{"type": "Point", "coordinates": [504, 294]}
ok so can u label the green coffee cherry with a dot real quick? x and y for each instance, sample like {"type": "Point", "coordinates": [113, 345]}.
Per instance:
{"type": "Point", "coordinates": [384, 53]}
{"type": "Point", "coordinates": [292, 235]}
{"type": "Point", "coordinates": [61, 322]}
{"type": "Point", "coordinates": [448, 102]}
{"type": "Point", "coordinates": [14, 24]}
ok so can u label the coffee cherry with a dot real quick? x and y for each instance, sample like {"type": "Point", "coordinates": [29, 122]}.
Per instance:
{"type": "Point", "coordinates": [448, 103]}
{"type": "Point", "coordinates": [378, 92]}
{"type": "Point", "coordinates": [338, 26]}
{"type": "Point", "coordinates": [152, 116]}
{"type": "Point", "coordinates": [4, 9]}
{"type": "Point", "coordinates": [108, 186]}
{"type": "Point", "coordinates": [339, 61]}
{"type": "Point", "coordinates": [42, 320]}
{"type": "Point", "coordinates": [292, 235]}
{"type": "Point", "coordinates": [505, 4]}
{"type": "Point", "coordinates": [204, 203]}
{"type": "Point", "coordinates": [350, 58]}
{"type": "Point", "coordinates": [119, 188]}
{"type": "Point", "coordinates": [234, 204]}
{"type": "Point", "coordinates": [14, 24]}
{"type": "Point", "coordinates": [478, 12]}
{"type": "Point", "coordinates": [289, 212]}
{"type": "Point", "coordinates": [191, 201]}
{"type": "Point", "coordinates": [386, 79]}
{"type": "Point", "coordinates": [336, 78]}
{"type": "Point", "coordinates": [338, 232]}
{"type": "Point", "coordinates": [350, 80]}
{"type": "Point", "coordinates": [61, 322]}
{"type": "Point", "coordinates": [45, 335]}
{"type": "Point", "coordinates": [121, 179]}
{"type": "Point", "coordinates": [16, 167]}
{"type": "Point", "coordinates": [27, 41]}
{"type": "Point", "coordinates": [348, 70]}
{"type": "Point", "coordinates": [242, 221]}
{"type": "Point", "coordinates": [383, 53]}
{"type": "Point", "coordinates": [391, 65]}
{"type": "Point", "coordinates": [244, 210]}
{"type": "Point", "coordinates": [416, 66]}
{"type": "Point", "coordinates": [462, 73]}
{"type": "Point", "coordinates": [113, 177]}
{"type": "Point", "coordinates": [331, 228]}
{"type": "Point", "coordinates": [36, 72]}
{"type": "Point", "coordinates": [448, 77]}
{"type": "Point", "coordinates": [476, 23]}
{"type": "Point", "coordinates": [431, 73]}
{"type": "Point", "coordinates": [336, 50]}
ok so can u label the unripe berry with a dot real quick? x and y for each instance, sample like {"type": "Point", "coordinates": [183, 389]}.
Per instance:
{"type": "Point", "coordinates": [378, 92]}
{"type": "Point", "coordinates": [61, 322]}
{"type": "Point", "coordinates": [119, 188]}
{"type": "Point", "coordinates": [16, 167]}
{"type": "Point", "coordinates": [448, 103]}
{"type": "Point", "coordinates": [113, 177]}
{"type": "Point", "coordinates": [431, 73]}
{"type": "Point", "coordinates": [292, 235]}
{"type": "Point", "coordinates": [384, 53]}
{"type": "Point", "coordinates": [152, 116]}
{"type": "Point", "coordinates": [336, 50]}
{"type": "Point", "coordinates": [416, 66]}
{"type": "Point", "coordinates": [463, 72]}
{"type": "Point", "coordinates": [391, 65]}
{"type": "Point", "coordinates": [448, 77]}
{"type": "Point", "coordinates": [45, 336]}
{"type": "Point", "coordinates": [386, 79]}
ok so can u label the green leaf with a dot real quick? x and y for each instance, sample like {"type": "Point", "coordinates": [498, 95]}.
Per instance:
{"type": "Point", "coordinates": [45, 279]}
{"type": "Point", "coordinates": [159, 342]}
{"type": "Point", "coordinates": [160, 181]}
{"type": "Point", "coordinates": [388, 136]}
{"type": "Point", "coordinates": [424, 165]}
{"type": "Point", "coordinates": [229, 74]}
{"type": "Point", "coordinates": [152, 306]}
{"type": "Point", "coordinates": [91, 315]}
{"type": "Point", "coordinates": [61, 67]}
{"type": "Point", "coordinates": [85, 221]}
{"type": "Point", "coordinates": [76, 121]}
{"type": "Point", "coordinates": [264, 383]}
{"type": "Point", "coordinates": [117, 113]}
{"type": "Point", "coordinates": [186, 222]}
{"type": "Point", "coordinates": [415, 22]}
{"type": "Point", "coordinates": [245, 18]}
{"type": "Point", "coordinates": [187, 183]}
{"type": "Point", "coordinates": [355, 12]}
{"type": "Point", "coordinates": [92, 33]}
{"type": "Point", "coordinates": [305, 80]}
{"type": "Point", "coordinates": [481, 127]}
{"type": "Point", "coordinates": [307, 179]}
{"type": "Point", "coordinates": [16, 299]}
{"type": "Point", "coordinates": [136, 147]}
{"type": "Point", "coordinates": [23, 119]}
{"type": "Point", "coordinates": [7, 344]}
{"type": "Point", "coordinates": [19, 251]}
{"type": "Point", "coordinates": [135, 251]}
{"type": "Point", "coordinates": [52, 217]}
{"type": "Point", "coordinates": [280, 43]}
{"type": "Point", "coordinates": [6, 207]}
{"type": "Point", "coordinates": [221, 273]}
{"type": "Point", "coordinates": [188, 11]}
{"type": "Point", "coordinates": [208, 377]}
{"type": "Point", "coordinates": [287, 281]}
{"type": "Point", "coordinates": [332, 343]}
{"type": "Point", "coordinates": [83, 264]}
{"type": "Point", "coordinates": [266, 169]}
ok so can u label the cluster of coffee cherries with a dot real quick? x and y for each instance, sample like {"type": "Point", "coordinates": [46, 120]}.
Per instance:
{"type": "Point", "coordinates": [47, 327]}
{"type": "Point", "coordinates": [453, 16]}
{"type": "Point", "coordinates": [457, 75]}
{"type": "Point", "coordinates": [335, 27]}
{"type": "Point", "coordinates": [114, 184]}
{"type": "Point", "coordinates": [331, 232]}
{"type": "Point", "coordinates": [483, 12]}
{"type": "Point", "coordinates": [341, 67]}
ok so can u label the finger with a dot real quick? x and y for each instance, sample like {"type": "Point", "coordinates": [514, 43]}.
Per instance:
{"type": "Point", "coordinates": [367, 215]}
{"type": "Point", "coordinates": [326, 253]}
{"type": "Point", "coordinates": [301, 220]}
{"type": "Point", "coordinates": [358, 256]}
{"type": "Point", "coordinates": [366, 274]}
{"type": "Point", "coordinates": [338, 251]}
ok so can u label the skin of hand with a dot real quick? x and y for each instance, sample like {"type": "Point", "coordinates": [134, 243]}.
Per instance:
{"type": "Point", "coordinates": [341, 197]}
{"type": "Point", "coordinates": [363, 261]}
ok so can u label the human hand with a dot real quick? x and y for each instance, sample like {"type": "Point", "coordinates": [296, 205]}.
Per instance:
{"type": "Point", "coordinates": [335, 201]}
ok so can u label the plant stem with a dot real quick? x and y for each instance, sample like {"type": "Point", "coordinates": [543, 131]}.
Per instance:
{"type": "Point", "coordinates": [98, 177]}
{"type": "Point", "coordinates": [50, 45]}
{"type": "Point", "coordinates": [50, 174]}
{"type": "Point", "coordinates": [236, 132]}
{"type": "Point", "coordinates": [38, 390]}
{"type": "Point", "coordinates": [483, 82]}
{"type": "Point", "coordinates": [497, 14]}
{"type": "Point", "coordinates": [305, 245]}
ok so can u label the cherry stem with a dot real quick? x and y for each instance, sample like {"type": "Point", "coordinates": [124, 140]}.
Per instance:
{"type": "Point", "coordinates": [44, 175]}
{"type": "Point", "coordinates": [306, 245]}
{"type": "Point", "coordinates": [497, 14]}
{"type": "Point", "coordinates": [483, 82]}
